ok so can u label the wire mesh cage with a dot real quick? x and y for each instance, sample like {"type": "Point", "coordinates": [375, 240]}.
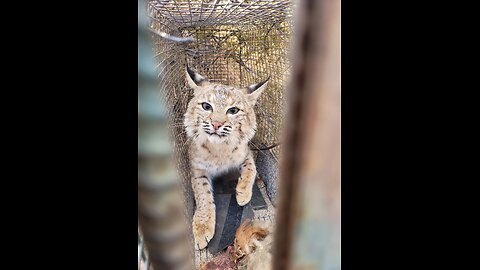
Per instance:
{"type": "Point", "coordinates": [230, 42]}
{"type": "Point", "coordinates": [235, 43]}
{"type": "Point", "coordinates": [243, 42]}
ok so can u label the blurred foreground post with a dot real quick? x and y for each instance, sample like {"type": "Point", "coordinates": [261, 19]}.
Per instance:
{"type": "Point", "coordinates": [160, 206]}
{"type": "Point", "coordinates": [308, 217]}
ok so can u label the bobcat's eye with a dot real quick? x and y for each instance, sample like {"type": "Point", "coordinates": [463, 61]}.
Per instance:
{"type": "Point", "coordinates": [206, 106]}
{"type": "Point", "coordinates": [233, 110]}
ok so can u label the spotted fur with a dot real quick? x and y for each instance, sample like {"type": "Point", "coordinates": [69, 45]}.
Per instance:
{"type": "Point", "coordinates": [213, 150]}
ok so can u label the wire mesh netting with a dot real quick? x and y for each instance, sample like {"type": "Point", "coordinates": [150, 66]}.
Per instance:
{"type": "Point", "coordinates": [230, 42]}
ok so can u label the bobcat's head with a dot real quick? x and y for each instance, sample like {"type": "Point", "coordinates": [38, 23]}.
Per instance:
{"type": "Point", "coordinates": [219, 113]}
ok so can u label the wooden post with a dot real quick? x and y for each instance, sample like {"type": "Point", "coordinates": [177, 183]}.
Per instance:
{"type": "Point", "coordinates": [308, 217]}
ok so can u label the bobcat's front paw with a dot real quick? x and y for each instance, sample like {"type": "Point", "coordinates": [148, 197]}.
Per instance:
{"type": "Point", "coordinates": [244, 193]}
{"type": "Point", "coordinates": [203, 229]}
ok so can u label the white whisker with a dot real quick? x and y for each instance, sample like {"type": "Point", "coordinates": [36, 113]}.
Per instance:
{"type": "Point", "coordinates": [195, 135]}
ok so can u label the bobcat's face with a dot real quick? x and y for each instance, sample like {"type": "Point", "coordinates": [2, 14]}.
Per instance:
{"type": "Point", "coordinates": [219, 113]}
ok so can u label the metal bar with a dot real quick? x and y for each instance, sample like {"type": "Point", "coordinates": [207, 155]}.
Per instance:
{"type": "Point", "coordinates": [190, 11]}
{"type": "Point", "coordinates": [211, 12]}
{"type": "Point", "coordinates": [258, 10]}
{"type": "Point", "coordinates": [172, 38]}
{"type": "Point", "coordinates": [201, 12]}
{"type": "Point", "coordinates": [159, 21]}
{"type": "Point", "coordinates": [170, 17]}
{"type": "Point", "coordinates": [180, 12]}
{"type": "Point", "coordinates": [215, 19]}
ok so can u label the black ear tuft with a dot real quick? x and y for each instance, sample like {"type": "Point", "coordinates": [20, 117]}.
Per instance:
{"type": "Point", "coordinates": [194, 76]}
{"type": "Point", "coordinates": [256, 86]}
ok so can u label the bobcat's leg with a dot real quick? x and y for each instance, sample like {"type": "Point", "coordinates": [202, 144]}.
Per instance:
{"type": "Point", "coordinates": [203, 224]}
{"type": "Point", "coordinates": [248, 172]}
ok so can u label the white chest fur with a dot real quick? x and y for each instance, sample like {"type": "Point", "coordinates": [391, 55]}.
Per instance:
{"type": "Point", "coordinates": [219, 158]}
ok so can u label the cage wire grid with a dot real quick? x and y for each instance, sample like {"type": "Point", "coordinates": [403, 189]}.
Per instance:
{"type": "Point", "coordinates": [231, 42]}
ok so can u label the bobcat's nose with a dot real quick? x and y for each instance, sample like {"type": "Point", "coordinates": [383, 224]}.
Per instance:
{"type": "Point", "coordinates": [217, 125]}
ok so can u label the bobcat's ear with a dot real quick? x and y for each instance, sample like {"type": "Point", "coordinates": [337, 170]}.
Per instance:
{"type": "Point", "coordinates": [195, 80]}
{"type": "Point", "coordinates": [255, 90]}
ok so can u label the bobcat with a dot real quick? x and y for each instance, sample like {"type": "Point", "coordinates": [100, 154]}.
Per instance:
{"type": "Point", "coordinates": [220, 122]}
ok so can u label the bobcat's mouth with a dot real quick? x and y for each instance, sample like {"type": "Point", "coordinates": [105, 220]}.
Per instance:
{"type": "Point", "coordinates": [213, 133]}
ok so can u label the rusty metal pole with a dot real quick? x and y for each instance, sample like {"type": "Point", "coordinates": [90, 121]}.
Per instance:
{"type": "Point", "coordinates": [160, 206]}
{"type": "Point", "coordinates": [308, 216]}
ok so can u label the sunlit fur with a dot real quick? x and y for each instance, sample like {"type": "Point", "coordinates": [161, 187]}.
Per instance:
{"type": "Point", "coordinates": [215, 151]}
